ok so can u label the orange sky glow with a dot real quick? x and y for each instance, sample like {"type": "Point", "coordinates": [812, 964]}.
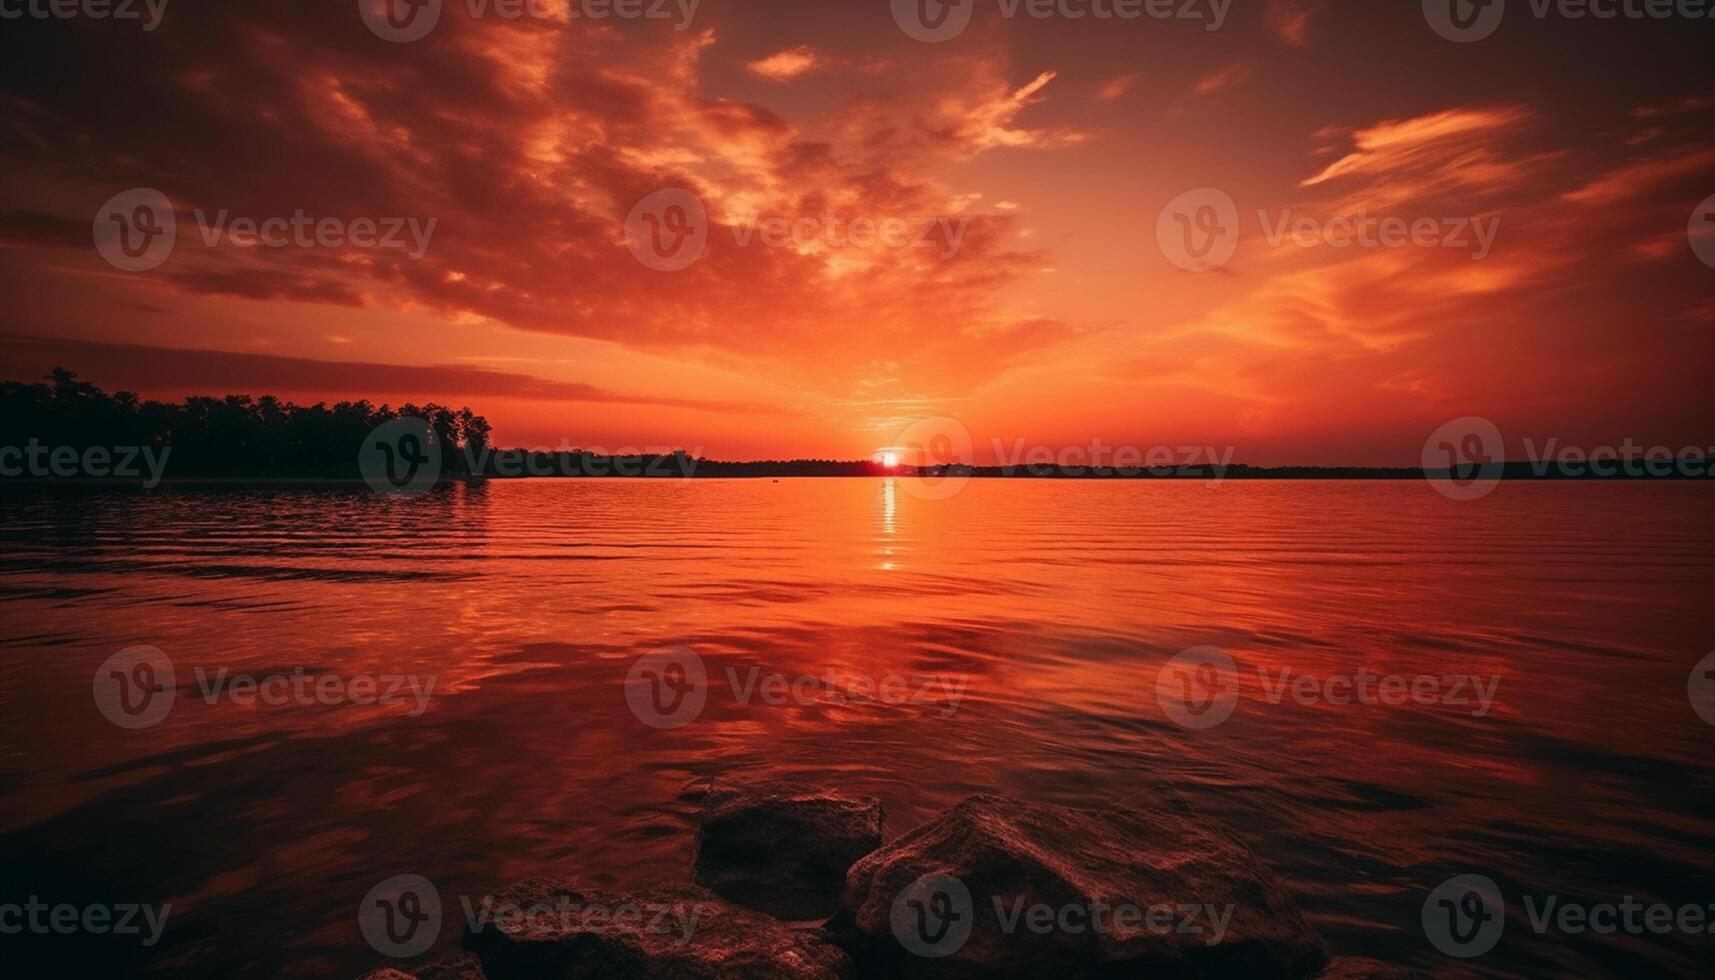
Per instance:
{"type": "Point", "coordinates": [1047, 147]}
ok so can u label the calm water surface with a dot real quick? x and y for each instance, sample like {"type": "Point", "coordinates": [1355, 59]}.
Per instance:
{"type": "Point", "coordinates": [1591, 778]}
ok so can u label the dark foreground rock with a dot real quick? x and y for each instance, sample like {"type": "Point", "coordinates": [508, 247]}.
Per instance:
{"type": "Point", "coordinates": [997, 887]}
{"type": "Point", "coordinates": [458, 966]}
{"type": "Point", "coordinates": [543, 928]}
{"type": "Point", "coordinates": [783, 852]}
{"type": "Point", "coordinates": [1357, 968]}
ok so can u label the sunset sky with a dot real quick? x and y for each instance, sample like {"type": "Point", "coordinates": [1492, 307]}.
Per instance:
{"type": "Point", "coordinates": [1054, 144]}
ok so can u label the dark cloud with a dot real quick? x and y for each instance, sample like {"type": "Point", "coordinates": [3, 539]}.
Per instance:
{"type": "Point", "coordinates": [134, 367]}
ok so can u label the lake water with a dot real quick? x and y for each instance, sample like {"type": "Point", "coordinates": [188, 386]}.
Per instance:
{"type": "Point", "coordinates": [1051, 607]}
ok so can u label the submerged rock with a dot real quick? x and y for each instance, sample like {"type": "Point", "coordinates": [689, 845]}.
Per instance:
{"type": "Point", "coordinates": [547, 928]}
{"type": "Point", "coordinates": [997, 887]}
{"type": "Point", "coordinates": [783, 852]}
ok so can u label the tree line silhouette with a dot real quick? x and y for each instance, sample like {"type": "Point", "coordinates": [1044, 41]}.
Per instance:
{"type": "Point", "coordinates": [264, 437]}
{"type": "Point", "coordinates": [237, 435]}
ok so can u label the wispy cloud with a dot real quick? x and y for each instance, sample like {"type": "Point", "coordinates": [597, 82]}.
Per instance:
{"type": "Point", "coordinates": [1226, 78]}
{"type": "Point", "coordinates": [783, 66]}
{"type": "Point", "coordinates": [1678, 107]}
{"type": "Point", "coordinates": [1117, 87]}
{"type": "Point", "coordinates": [1405, 143]}
{"type": "Point", "coordinates": [1290, 19]}
{"type": "Point", "coordinates": [1640, 176]}
{"type": "Point", "coordinates": [139, 367]}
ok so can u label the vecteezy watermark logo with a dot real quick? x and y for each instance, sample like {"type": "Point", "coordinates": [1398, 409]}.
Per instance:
{"type": "Point", "coordinates": [135, 230]}
{"type": "Point", "coordinates": [400, 21]}
{"type": "Point", "coordinates": [933, 916]}
{"type": "Point", "coordinates": [1365, 230]}
{"type": "Point", "coordinates": [1629, 458]}
{"type": "Point", "coordinates": [305, 687]}
{"type": "Point", "coordinates": [124, 919]}
{"type": "Point", "coordinates": [149, 12]}
{"type": "Point", "coordinates": [1464, 916]}
{"type": "Point", "coordinates": [933, 21]}
{"type": "Point", "coordinates": [1366, 687]}
{"type": "Point", "coordinates": [400, 457]}
{"type": "Point", "coordinates": [412, 20]}
{"type": "Point", "coordinates": [1700, 688]}
{"type": "Point", "coordinates": [667, 688]}
{"type": "Point", "coordinates": [401, 916]}
{"type": "Point", "coordinates": [1198, 231]}
{"type": "Point", "coordinates": [567, 460]}
{"type": "Point", "coordinates": [1628, 915]}
{"type": "Point", "coordinates": [821, 233]}
{"type": "Point", "coordinates": [1701, 229]}
{"type": "Point", "coordinates": [1463, 459]}
{"type": "Point", "coordinates": [939, 452]}
{"type": "Point", "coordinates": [303, 231]}
{"type": "Point", "coordinates": [1102, 460]}
{"type": "Point", "coordinates": [1464, 21]}
{"type": "Point", "coordinates": [830, 687]}
{"type": "Point", "coordinates": [567, 912]}
{"type": "Point", "coordinates": [668, 230]}
{"type": "Point", "coordinates": [1198, 688]}
{"type": "Point", "coordinates": [102, 462]}
{"type": "Point", "coordinates": [135, 687]}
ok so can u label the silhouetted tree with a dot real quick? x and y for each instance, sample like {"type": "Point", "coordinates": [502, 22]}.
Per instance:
{"type": "Point", "coordinates": [237, 435]}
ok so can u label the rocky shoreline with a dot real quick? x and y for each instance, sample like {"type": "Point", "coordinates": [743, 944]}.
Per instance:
{"type": "Point", "coordinates": [799, 885]}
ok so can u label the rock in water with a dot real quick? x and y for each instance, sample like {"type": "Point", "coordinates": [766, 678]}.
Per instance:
{"type": "Point", "coordinates": [998, 887]}
{"type": "Point", "coordinates": [545, 928]}
{"type": "Point", "coordinates": [783, 852]}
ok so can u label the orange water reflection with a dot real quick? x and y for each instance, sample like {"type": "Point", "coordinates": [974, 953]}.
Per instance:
{"type": "Point", "coordinates": [1054, 603]}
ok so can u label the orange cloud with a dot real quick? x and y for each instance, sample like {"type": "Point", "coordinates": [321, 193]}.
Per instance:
{"type": "Point", "coordinates": [530, 140]}
{"type": "Point", "coordinates": [1637, 177]}
{"type": "Point", "coordinates": [1290, 19]}
{"type": "Point", "coordinates": [1117, 87]}
{"type": "Point", "coordinates": [1460, 157]}
{"type": "Point", "coordinates": [1401, 144]}
{"type": "Point", "coordinates": [137, 367]}
{"type": "Point", "coordinates": [1220, 81]}
{"type": "Point", "coordinates": [1689, 104]}
{"type": "Point", "coordinates": [783, 66]}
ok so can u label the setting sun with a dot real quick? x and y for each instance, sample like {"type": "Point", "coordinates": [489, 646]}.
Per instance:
{"type": "Point", "coordinates": [439, 477]}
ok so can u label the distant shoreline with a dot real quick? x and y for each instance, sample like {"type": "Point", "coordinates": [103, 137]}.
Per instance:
{"type": "Point", "coordinates": [63, 430]}
{"type": "Point", "coordinates": [720, 470]}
